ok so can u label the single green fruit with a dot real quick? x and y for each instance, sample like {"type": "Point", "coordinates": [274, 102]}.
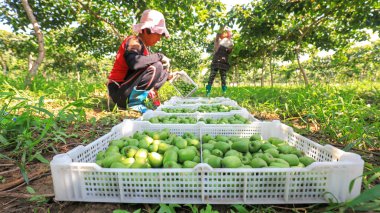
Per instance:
{"type": "Point", "coordinates": [255, 137]}
{"type": "Point", "coordinates": [221, 138]}
{"type": "Point", "coordinates": [172, 164]}
{"type": "Point", "coordinates": [193, 142]}
{"type": "Point", "coordinates": [163, 135]}
{"type": "Point", "coordinates": [163, 147]}
{"type": "Point", "coordinates": [133, 142]}
{"type": "Point", "coordinates": [305, 160]}
{"type": "Point", "coordinates": [180, 143]}
{"type": "Point", "coordinates": [100, 155]}
{"type": "Point", "coordinates": [213, 161]}
{"type": "Point", "coordinates": [127, 161]}
{"type": "Point", "coordinates": [217, 152]}
{"type": "Point", "coordinates": [266, 146]}
{"type": "Point", "coordinates": [231, 162]}
{"type": "Point", "coordinates": [206, 138]}
{"type": "Point", "coordinates": [257, 155]}
{"type": "Point", "coordinates": [129, 151]}
{"type": "Point", "coordinates": [197, 159]}
{"type": "Point", "coordinates": [292, 159]}
{"type": "Point", "coordinates": [278, 165]}
{"type": "Point", "coordinates": [246, 166]}
{"type": "Point", "coordinates": [141, 153]}
{"type": "Point", "coordinates": [233, 152]}
{"type": "Point", "coordinates": [285, 149]}
{"type": "Point", "coordinates": [118, 143]}
{"type": "Point", "coordinates": [189, 164]}
{"type": "Point", "coordinates": [258, 163]}
{"type": "Point", "coordinates": [273, 151]}
{"type": "Point", "coordinates": [112, 150]}
{"type": "Point", "coordinates": [206, 153]}
{"type": "Point", "coordinates": [276, 141]}
{"type": "Point", "coordinates": [255, 146]}
{"type": "Point", "coordinates": [107, 161]}
{"type": "Point", "coordinates": [267, 157]}
{"type": "Point", "coordinates": [241, 146]}
{"type": "Point", "coordinates": [222, 146]}
{"type": "Point", "coordinates": [208, 146]}
{"type": "Point", "coordinates": [245, 160]}
{"type": "Point", "coordinates": [118, 164]}
{"type": "Point", "coordinates": [279, 160]}
{"type": "Point", "coordinates": [155, 159]}
{"type": "Point", "coordinates": [186, 155]}
{"type": "Point", "coordinates": [170, 155]}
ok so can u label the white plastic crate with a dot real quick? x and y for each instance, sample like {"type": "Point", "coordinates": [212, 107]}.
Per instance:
{"type": "Point", "coordinates": [150, 114]}
{"type": "Point", "coordinates": [184, 77]}
{"type": "Point", "coordinates": [195, 107]}
{"type": "Point", "coordinates": [77, 178]}
{"type": "Point", "coordinates": [196, 100]}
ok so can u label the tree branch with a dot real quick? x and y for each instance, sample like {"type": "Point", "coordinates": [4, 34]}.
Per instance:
{"type": "Point", "coordinates": [96, 15]}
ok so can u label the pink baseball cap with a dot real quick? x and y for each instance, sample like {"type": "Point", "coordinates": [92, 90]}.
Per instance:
{"type": "Point", "coordinates": [153, 20]}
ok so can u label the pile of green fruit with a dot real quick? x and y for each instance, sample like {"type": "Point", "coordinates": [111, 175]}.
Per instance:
{"type": "Point", "coordinates": [183, 87]}
{"type": "Point", "coordinates": [178, 110]}
{"type": "Point", "coordinates": [216, 108]}
{"type": "Point", "coordinates": [173, 119]}
{"type": "Point", "coordinates": [202, 108]}
{"type": "Point", "coordinates": [148, 149]}
{"type": "Point", "coordinates": [236, 119]}
{"type": "Point", "coordinates": [234, 152]}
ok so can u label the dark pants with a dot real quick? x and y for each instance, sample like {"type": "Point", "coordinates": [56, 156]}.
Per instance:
{"type": "Point", "coordinates": [152, 77]}
{"type": "Point", "coordinates": [223, 76]}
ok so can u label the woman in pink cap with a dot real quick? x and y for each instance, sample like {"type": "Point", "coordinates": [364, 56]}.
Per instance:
{"type": "Point", "coordinates": [222, 48]}
{"type": "Point", "coordinates": [136, 73]}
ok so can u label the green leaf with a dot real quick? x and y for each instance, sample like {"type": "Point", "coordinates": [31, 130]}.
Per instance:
{"type": "Point", "coordinates": [194, 208]}
{"type": "Point", "coordinates": [3, 140]}
{"type": "Point", "coordinates": [240, 208]}
{"type": "Point", "coordinates": [366, 196]}
{"type": "Point", "coordinates": [41, 158]}
{"type": "Point", "coordinates": [165, 209]}
{"type": "Point", "coordinates": [30, 190]}
{"type": "Point", "coordinates": [137, 211]}
{"type": "Point", "coordinates": [120, 211]}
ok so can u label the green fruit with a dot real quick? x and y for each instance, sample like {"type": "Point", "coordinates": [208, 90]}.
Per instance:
{"type": "Point", "coordinates": [255, 146]}
{"type": "Point", "coordinates": [257, 155]}
{"type": "Point", "coordinates": [292, 159]}
{"type": "Point", "coordinates": [118, 164]}
{"type": "Point", "coordinates": [241, 146]}
{"type": "Point", "coordinates": [153, 148]}
{"type": "Point", "coordinates": [186, 155]}
{"type": "Point", "coordinates": [163, 135]}
{"type": "Point", "coordinates": [170, 155]}
{"type": "Point", "coordinates": [155, 159]}
{"type": "Point", "coordinates": [107, 161]}
{"type": "Point", "coordinates": [156, 136]}
{"type": "Point", "coordinates": [133, 142]}
{"type": "Point", "coordinates": [285, 149]}
{"type": "Point", "coordinates": [206, 153]}
{"type": "Point", "coordinates": [100, 155]}
{"type": "Point", "coordinates": [180, 142]}
{"type": "Point", "coordinates": [163, 147]}
{"type": "Point", "coordinates": [245, 160]}
{"type": "Point", "coordinates": [300, 165]}
{"type": "Point", "coordinates": [276, 141]}
{"type": "Point", "coordinates": [189, 164]}
{"type": "Point", "coordinates": [144, 143]}
{"type": "Point", "coordinates": [172, 164]}
{"type": "Point", "coordinates": [279, 160]}
{"type": "Point", "coordinates": [255, 137]}
{"type": "Point", "coordinates": [213, 161]}
{"type": "Point", "coordinates": [296, 152]}
{"type": "Point", "coordinates": [127, 161]}
{"type": "Point", "coordinates": [111, 150]}
{"type": "Point", "coordinates": [267, 157]}
{"type": "Point", "coordinates": [231, 162]}
{"type": "Point", "coordinates": [206, 138]}
{"type": "Point", "coordinates": [99, 162]}
{"type": "Point", "coordinates": [197, 159]}
{"type": "Point", "coordinates": [305, 160]}
{"type": "Point", "coordinates": [141, 153]}
{"type": "Point", "coordinates": [208, 146]}
{"type": "Point", "coordinates": [274, 152]}
{"type": "Point", "coordinates": [222, 146]}
{"type": "Point", "coordinates": [221, 138]}
{"type": "Point", "coordinates": [217, 152]}
{"type": "Point", "coordinates": [233, 152]}
{"type": "Point", "coordinates": [258, 163]}
{"type": "Point", "coordinates": [266, 146]}
{"type": "Point", "coordinates": [234, 138]}
{"type": "Point", "coordinates": [246, 166]}
{"type": "Point", "coordinates": [193, 142]}
{"type": "Point", "coordinates": [129, 151]}
{"type": "Point", "coordinates": [118, 143]}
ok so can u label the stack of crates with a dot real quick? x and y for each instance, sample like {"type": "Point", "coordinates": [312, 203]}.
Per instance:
{"type": "Point", "coordinates": [77, 177]}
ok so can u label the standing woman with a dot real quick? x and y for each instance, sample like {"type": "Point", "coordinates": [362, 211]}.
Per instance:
{"type": "Point", "coordinates": [137, 73]}
{"type": "Point", "coordinates": [222, 48]}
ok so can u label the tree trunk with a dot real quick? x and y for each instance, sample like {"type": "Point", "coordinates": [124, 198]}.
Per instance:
{"type": "Point", "coordinates": [263, 71]}
{"type": "Point", "coordinates": [41, 50]}
{"type": "Point", "coordinates": [3, 64]}
{"type": "Point", "coordinates": [300, 66]}
{"type": "Point", "coordinates": [270, 69]}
